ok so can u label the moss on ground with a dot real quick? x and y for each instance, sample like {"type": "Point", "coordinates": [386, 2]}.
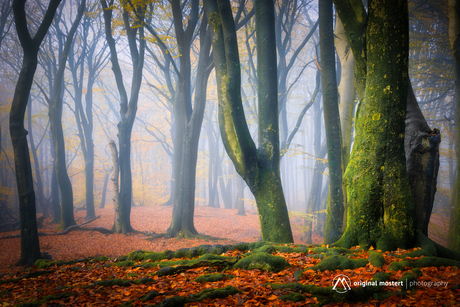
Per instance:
{"type": "Point", "coordinates": [336, 262]}
{"type": "Point", "coordinates": [262, 261]}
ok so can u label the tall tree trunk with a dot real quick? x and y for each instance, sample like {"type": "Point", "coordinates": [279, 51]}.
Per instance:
{"type": "Point", "coordinates": [335, 210]}
{"type": "Point", "coordinates": [55, 114]}
{"type": "Point", "coordinates": [258, 167]}
{"type": "Point", "coordinates": [380, 203]}
{"type": "Point", "coordinates": [187, 148]}
{"type": "Point", "coordinates": [128, 107]}
{"type": "Point", "coordinates": [454, 40]}
{"type": "Point", "coordinates": [30, 247]}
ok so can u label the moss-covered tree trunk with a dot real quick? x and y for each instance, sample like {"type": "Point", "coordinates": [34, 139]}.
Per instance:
{"type": "Point", "coordinates": [30, 247]}
{"type": "Point", "coordinates": [380, 205]}
{"type": "Point", "coordinates": [259, 167]}
{"type": "Point", "coordinates": [334, 214]}
{"type": "Point", "coordinates": [454, 39]}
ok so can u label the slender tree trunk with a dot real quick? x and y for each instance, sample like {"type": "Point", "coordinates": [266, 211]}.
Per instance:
{"type": "Point", "coordinates": [116, 187]}
{"type": "Point", "coordinates": [104, 190]}
{"type": "Point", "coordinates": [41, 197]}
{"type": "Point", "coordinates": [55, 114]}
{"type": "Point", "coordinates": [335, 210]}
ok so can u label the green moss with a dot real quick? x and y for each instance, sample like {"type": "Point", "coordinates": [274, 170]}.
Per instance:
{"type": "Point", "coordinates": [262, 261]}
{"type": "Point", "coordinates": [336, 262]}
{"type": "Point", "coordinates": [126, 263]}
{"type": "Point", "coordinates": [407, 280]}
{"type": "Point", "coordinates": [434, 261]}
{"type": "Point", "coordinates": [293, 297]}
{"type": "Point", "coordinates": [399, 266]}
{"type": "Point", "coordinates": [376, 258]}
{"type": "Point", "coordinates": [213, 277]}
{"type": "Point", "coordinates": [417, 272]}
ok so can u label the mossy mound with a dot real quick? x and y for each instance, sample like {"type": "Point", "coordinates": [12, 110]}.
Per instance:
{"type": "Point", "coordinates": [376, 258]}
{"type": "Point", "coordinates": [213, 277]}
{"type": "Point", "coordinates": [262, 261]}
{"type": "Point", "coordinates": [336, 262]}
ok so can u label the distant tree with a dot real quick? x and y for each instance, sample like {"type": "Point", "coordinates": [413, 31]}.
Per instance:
{"type": "Point", "coordinates": [30, 247]}
{"type": "Point", "coordinates": [259, 167]}
{"type": "Point", "coordinates": [94, 55]}
{"type": "Point", "coordinates": [55, 114]}
{"type": "Point", "coordinates": [133, 21]}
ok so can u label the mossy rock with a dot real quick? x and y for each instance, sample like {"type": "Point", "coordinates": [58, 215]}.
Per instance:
{"type": "Point", "coordinates": [213, 277]}
{"type": "Point", "coordinates": [399, 266]}
{"type": "Point", "coordinates": [262, 261]}
{"type": "Point", "coordinates": [293, 297]}
{"type": "Point", "coordinates": [336, 262]}
{"type": "Point", "coordinates": [376, 258]}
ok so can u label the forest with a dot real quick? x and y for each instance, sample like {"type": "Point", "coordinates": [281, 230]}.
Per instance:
{"type": "Point", "coordinates": [224, 153]}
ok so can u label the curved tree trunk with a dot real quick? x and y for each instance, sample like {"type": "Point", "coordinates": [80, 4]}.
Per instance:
{"type": "Point", "coordinates": [258, 167]}
{"type": "Point", "coordinates": [30, 247]}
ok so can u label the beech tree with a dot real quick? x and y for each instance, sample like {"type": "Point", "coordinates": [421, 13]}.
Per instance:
{"type": "Point", "coordinates": [30, 247]}
{"type": "Point", "coordinates": [128, 106]}
{"type": "Point", "coordinates": [334, 215]}
{"type": "Point", "coordinates": [389, 128]}
{"type": "Point", "coordinates": [259, 167]}
{"type": "Point", "coordinates": [55, 114]}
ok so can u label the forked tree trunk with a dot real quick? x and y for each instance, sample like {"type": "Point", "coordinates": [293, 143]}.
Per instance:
{"type": "Point", "coordinates": [30, 247]}
{"type": "Point", "coordinates": [259, 167]}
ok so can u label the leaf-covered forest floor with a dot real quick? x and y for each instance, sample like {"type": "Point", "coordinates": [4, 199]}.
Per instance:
{"type": "Point", "coordinates": [109, 273]}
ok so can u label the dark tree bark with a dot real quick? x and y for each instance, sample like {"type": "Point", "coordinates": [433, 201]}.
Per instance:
{"type": "Point", "coordinates": [33, 149]}
{"type": "Point", "coordinates": [335, 209]}
{"type": "Point", "coordinates": [128, 107]}
{"type": "Point", "coordinates": [55, 115]}
{"type": "Point", "coordinates": [258, 167]}
{"type": "Point", "coordinates": [30, 248]}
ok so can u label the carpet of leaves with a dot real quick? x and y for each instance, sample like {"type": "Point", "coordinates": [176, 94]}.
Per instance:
{"type": "Point", "coordinates": [80, 283]}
